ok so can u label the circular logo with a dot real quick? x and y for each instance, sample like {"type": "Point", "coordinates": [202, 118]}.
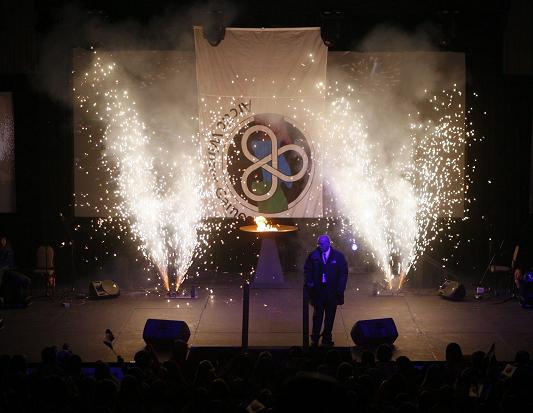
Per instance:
{"type": "Point", "coordinates": [268, 163]}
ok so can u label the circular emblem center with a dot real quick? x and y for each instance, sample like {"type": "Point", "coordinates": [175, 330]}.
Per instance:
{"type": "Point", "coordinates": [269, 163]}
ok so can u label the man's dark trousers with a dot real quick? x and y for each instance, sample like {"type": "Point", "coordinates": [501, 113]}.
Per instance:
{"type": "Point", "coordinates": [325, 304]}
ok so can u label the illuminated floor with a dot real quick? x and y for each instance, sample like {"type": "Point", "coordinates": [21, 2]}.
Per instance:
{"type": "Point", "coordinates": [425, 322]}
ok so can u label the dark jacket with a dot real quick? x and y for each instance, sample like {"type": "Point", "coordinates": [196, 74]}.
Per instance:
{"type": "Point", "coordinates": [336, 270]}
{"type": "Point", "coordinates": [7, 258]}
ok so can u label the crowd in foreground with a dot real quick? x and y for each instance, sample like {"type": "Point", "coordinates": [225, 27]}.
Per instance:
{"type": "Point", "coordinates": [317, 380]}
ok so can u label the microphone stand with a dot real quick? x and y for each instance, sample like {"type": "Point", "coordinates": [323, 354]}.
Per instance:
{"type": "Point", "coordinates": [487, 270]}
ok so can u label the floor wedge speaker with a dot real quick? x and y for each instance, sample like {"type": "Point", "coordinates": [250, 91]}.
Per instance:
{"type": "Point", "coordinates": [452, 290]}
{"type": "Point", "coordinates": [163, 333]}
{"type": "Point", "coordinates": [374, 332]}
{"type": "Point", "coordinates": [525, 291]}
{"type": "Point", "coordinates": [103, 289]}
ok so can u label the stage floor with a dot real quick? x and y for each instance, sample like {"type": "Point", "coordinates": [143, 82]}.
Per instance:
{"type": "Point", "coordinates": [425, 322]}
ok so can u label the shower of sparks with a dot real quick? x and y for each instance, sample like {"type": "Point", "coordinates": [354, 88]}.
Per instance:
{"type": "Point", "coordinates": [158, 193]}
{"type": "Point", "coordinates": [400, 202]}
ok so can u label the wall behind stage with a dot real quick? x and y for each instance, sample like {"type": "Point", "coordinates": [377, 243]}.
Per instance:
{"type": "Point", "coordinates": [7, 154]}
{"type": "Point", "coordinates": [165, 88]}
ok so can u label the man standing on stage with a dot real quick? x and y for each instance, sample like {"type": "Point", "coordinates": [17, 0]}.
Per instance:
{"type": "Point", "coordinates": [326, 274]}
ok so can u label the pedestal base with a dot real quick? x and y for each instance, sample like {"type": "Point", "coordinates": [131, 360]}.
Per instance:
{"type": "Point", "coordinates": [268, 273]}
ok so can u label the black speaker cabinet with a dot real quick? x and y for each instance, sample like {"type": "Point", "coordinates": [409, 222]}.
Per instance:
{"type": "Point", "coordinates": [525, 292]}
{"type": "Point", "coordinates": [374, 332]}
{"type": "Point", "coordinates": [103, 289]}
{"type": "Point", "coordinates": [162, 333]}
{"type": "Point", "coordinates": [452, 290]}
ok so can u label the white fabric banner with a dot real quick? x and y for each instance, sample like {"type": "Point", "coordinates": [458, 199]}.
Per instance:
{"type": "Point", "coordinates": [258, 101]}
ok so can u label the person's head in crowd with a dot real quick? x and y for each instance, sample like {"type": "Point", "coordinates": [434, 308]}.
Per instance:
{"type": "Point", "coordinates": [102, 371]}
{"type": "Point", "coordinates": [478, 361]}
{"type": "Point", "coordinates": [240, 388]}
{"type": "Point", "coordinates": [5, 359]}
{"type": "Point", "coordinates": [73, 365]}
{"type": "Point", "coordinates": [199, 400]}
{"type": "Point", "coordinates": [445, 396]}
{"type": "Point", "coordinates": [264, 363]}
{"type": "Point", "coordinates": [434, 378]}
{"type": "Point", "coordinates": [312, 392]}
{"type": "Point", "coordinates": [403, 363]}
{"type": "Point", "coordinates": [365, 387]}
{"type": "Point", "coordinates": [48, 355]}
{"type": "Point", "coordinates": [18, 364]}
{"type": "Point", "coordinates": [130, 390]}
{"type": "Point", "coordinates": [265, 355]}
{"type": "Point", "coordinates": [265, 397]}
{"type": "Point", "coordinates": [143, 359]}
{"type": "Point", "coordinates": [426, 400]}
{"type": "Point", "coordinates": [157, 391]}
{"type": "Point", "coordinates": [87, 388]}
{"type": "Point", "coordinates": [243, 364]}
{"type": "Point", "coordinates": [105, 393]}
{"type": "Point", "coordinates": [172, 371]}
{"type": "Point", "coordinates": [344, 372]}
{"type": "Point", "coordinates": [402, 398]}
{"type": "Point", "coordinates": [454, 354]}
{"type": "Point", "coordinates": [522, 357]}
{"type": "Point", "coordinates": [398, 384]}
{"type": "Point", "coordinates": [4, 242]}
{"type": "Point", "coordinates": [384, 353]}
{"type": "Point", "coordinates": [367, 359]}
{"type": "Point", "coordinates": [53, 388]}
{"type": "Point", "coordinates": [63, 354]}
{"type": "Point", "coordinates": [180, 351]}
{"type": "Point", "coordinates": [391, 387]}
{"type": "Point", "coordinates": [406, 406]}
{"type": "Point", "coordinates": [136, 372]}
{"type": "Point", "coordinates": [296, 352]}
{"type": "Point", "coordinates": [205, 374]}
{"type": "Point", "coordinates": [218, 389]}
{"type": "Point", "coordinates": [333, 357]}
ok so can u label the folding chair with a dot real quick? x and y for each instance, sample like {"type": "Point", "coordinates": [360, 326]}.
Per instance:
{"type": "Point", "coordinates": [45, 268]}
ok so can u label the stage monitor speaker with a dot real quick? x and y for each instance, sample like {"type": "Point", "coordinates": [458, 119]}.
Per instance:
{"type": "Point", "coordinates": [374, 332]}
{"type": "Point", "coordinates": [452, 290]}
{"type": "Point", "coordinates": [103, 289]}
{"type": "Point", "coordinates": [525, 291]}
{"type": "Point", "coordinates": [162, 333]}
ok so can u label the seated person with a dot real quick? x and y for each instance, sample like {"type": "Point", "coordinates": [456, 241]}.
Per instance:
{"type": "Point", "coordinates": [13, 284]}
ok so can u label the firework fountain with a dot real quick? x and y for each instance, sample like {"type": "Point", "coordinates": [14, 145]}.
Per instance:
{"type": "Point", "coordinates": [158, 193]}
{"type": "Point", "coordinates": [398, 203]}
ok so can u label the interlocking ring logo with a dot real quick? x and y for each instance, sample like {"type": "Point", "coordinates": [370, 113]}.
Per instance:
{"type": "Point", "coordinates": [264, 163]}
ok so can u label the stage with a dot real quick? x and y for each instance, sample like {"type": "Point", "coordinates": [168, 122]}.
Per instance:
{"type": "Point", "coordinates": [425, 322]}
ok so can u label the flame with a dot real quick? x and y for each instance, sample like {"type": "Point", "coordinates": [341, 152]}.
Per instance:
{"type": "Point", "coordinates": [263, 225]}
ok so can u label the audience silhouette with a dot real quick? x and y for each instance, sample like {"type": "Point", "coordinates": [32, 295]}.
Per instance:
{"type": "Point", "coordinates": [293, 380]}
